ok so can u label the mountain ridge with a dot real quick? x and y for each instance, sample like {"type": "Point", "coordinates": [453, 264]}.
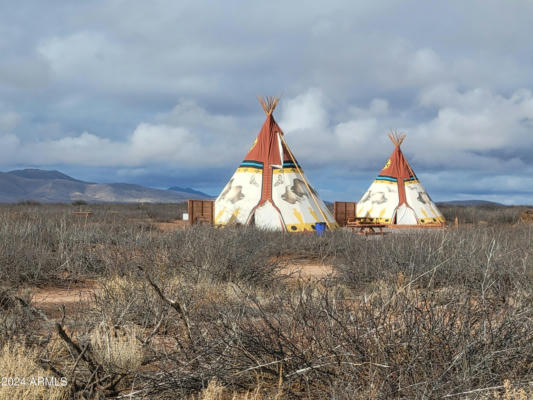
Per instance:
{"type": "Point", "coordinates": [52, 186]}
{"type": "Point", "coordinates": [188, 190]}
{"type": "Point", "coordinates": [472, 202]}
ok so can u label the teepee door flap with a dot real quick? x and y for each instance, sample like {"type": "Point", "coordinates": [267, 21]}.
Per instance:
{"type": "Point", "coordinates": [405, 215]}
{"type": "Point", "coordinates": [266, 216]}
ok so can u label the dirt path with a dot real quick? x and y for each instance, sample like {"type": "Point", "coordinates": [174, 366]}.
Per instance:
{"type": "Point", "coordinates": [171, 226]}
{"type": "Point", "coordinates": [51, 299]}
{"type": "Point", "coordinates": [302, 268]}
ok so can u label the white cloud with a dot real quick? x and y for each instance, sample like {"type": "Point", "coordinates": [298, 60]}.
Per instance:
{"type": "Point", "coordinates": [478, 125]}
{"type": "Point", "coordinates": [148, 144]}
{"type": "Point", "coordinates": [304, 112]}
{"type": "Point", "coordinates": [473, 129]}
{"type": "Point", "coordinates": [355, 141]}
{"type": "Point", "coordinates": [187, 136]}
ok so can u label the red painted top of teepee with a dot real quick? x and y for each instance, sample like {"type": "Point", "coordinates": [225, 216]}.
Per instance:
{"type": "Point", "coordinates": [266, 147]}
{"type": "Point", "coordinates": [269, 151]}
{"type": "Point", "coordinates": [398, 167]}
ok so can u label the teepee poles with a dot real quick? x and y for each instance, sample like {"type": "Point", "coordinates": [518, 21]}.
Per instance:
{"type": "Point", "coordinates": [268, 103]}
{"type": "Point", "coordinates": [396, 138]}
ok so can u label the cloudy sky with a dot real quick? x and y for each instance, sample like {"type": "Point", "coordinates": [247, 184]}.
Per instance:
{"type": "Point", "coordinates": [163, 93]}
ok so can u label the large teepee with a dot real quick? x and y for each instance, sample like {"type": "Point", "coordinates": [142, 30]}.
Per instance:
{"type": "Point", "coordinates": [269, 189]}
{"type": "Point", "coordinates": [396, 196]}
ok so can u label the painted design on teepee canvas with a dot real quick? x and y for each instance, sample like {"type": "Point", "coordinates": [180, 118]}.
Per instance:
{"type": "Point", "coordinates": [374, 197]}
{"type": "Point", "coordinates": [233, 193]}
{"type": "Point", "coordinates": [295, 192]}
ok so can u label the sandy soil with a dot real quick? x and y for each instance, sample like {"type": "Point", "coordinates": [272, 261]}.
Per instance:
{"type": "Point", "coordinates": [304, 268]}
{"type": "Point", "coordinates": [51, 299]}
{"type": "Point", "coordinates": [171, 226]}
{"type": "Point", "coordinates": [306, 271]}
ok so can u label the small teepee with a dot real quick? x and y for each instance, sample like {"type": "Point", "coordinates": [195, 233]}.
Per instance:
{"type": "Point", "coordinates": [269, 189]}
{"type": "Point", "coordinates": [396, 197]}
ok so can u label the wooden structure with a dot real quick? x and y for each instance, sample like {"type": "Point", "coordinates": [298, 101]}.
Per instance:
{"type": "Point", "coordinates": [365, 228]}
{"type": "Point", "coordinates": [201, 211]}
{"type": "Point", "coordinates": [344, 210]}
{"type": "Point", "coordinates": [425, 226]}
{"type": "Point", "coordinates": [86, 213]}
{"type": "Point", "coordinates": [83, 213]}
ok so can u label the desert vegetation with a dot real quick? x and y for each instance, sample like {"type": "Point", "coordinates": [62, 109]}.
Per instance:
{"type": "Point", "coordinates": [205, 313]}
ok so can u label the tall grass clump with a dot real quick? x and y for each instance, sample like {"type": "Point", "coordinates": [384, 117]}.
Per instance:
{"type": "Point", "coordinates": [23, 377]}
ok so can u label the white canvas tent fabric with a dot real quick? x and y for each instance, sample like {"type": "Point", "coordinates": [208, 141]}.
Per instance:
{"type": "Point", "coordinates": [396, 197]}
{"type": "Point", "coordinates": [269, 189]}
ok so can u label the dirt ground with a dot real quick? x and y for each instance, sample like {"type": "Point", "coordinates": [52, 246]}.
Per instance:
{"type": "Point", "coordinates": [306, 269]}
{"type": "Point", "coordinates": [73, 298]}
{"type": "Point", "coordinates": [171, 226]}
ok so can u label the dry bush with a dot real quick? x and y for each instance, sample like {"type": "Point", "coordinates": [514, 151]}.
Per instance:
{"type": "Point", "coordinates": [117, 347]}
{"type": "Point", "coordinates": [49, 244]}
{"type": "Point", "coordinates": [17, 324]}
{"type": "Point", "coordinates": [489, 214]}
{"type": "Point", "coordinates": [164, 212]}
{"type": "Point", "coordinates": [527, 216]}
{"type": "Point", "coordinates": [495, 261]}
{"type": "Point", "coordinates": [233, 254]}
{"type": "Point", "coordinates": [129, 300]}
{"type": "Point", "coordinates": [332, 343]}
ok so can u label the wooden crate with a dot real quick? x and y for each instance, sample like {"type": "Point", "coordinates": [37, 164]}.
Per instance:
{"type": "Point", "coordinates": [201, 211]}
{"type": "Point", "coordinates": [343, 210]}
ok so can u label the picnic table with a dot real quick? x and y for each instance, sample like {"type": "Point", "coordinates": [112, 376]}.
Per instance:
{"type": "Point", "coordinates": [364, 227]}
{"type": "Point", "coordinates": [84, 213]}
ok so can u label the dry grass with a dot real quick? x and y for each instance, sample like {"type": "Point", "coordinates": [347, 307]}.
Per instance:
{"type": "Point", "coordinates": [510, 392]}
{"type": "Point", "coordinates": [215, 391]}
{"type": "Point", "coordinates": [23, 378]}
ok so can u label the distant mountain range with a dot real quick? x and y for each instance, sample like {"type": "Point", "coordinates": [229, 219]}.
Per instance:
{"type": "Point", "coordinates": [469, 203]}
{"type": "Point", "coordinates": [54, 186]}
{"type": "Point", "coordinates": [188, 190]}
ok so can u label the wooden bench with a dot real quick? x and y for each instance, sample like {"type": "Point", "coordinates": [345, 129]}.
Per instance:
{"type": "Point", "coordinates": [83, 213]}
{"type": "Point", "coordinates": [86, 213]}
{"type": "Point", "coordinates": [365, 228]}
